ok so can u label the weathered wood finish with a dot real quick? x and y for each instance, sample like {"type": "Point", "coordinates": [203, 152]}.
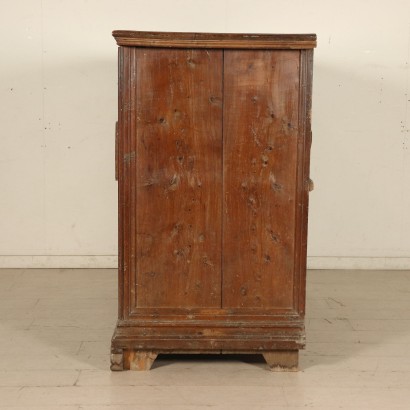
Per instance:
{"type": "Point", "coordinates": [178, 183]}
{"type": "Point", "coordinates": [139, 360]}
{"type": "Point", "coordinates": [213, 170]}
{"type": "Point", "coordinates": [215, 40]}
{"type": "Point", "coordinates": [260, 149]}
{"type": "Point", "coordinates": [282, 360]}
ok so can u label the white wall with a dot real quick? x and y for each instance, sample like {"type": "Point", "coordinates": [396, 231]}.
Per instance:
{"type": "Point", "coordinates": [58, 107]}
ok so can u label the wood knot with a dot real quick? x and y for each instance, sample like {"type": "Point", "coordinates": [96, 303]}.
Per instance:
{"type": "Point", "coordinates": [129, 157]}
{"type": "Point", "coordinates": [264, 160]}
{"type": "Point", "coordinates": [191, 62]}
{"type": "Point", "coordinates": [273, 236]}
{"type": "Point", "coordinates": [152, 274]}
{"type": "Point", "coordinates": [173, 182]}
{"type": "Point", "coordinates": [176, 229]}
{"type": "Point", "coordinates": [276, 187]}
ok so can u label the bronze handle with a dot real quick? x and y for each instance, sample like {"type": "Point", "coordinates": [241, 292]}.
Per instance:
{"type": "Point", "coordinates": [116, 151]}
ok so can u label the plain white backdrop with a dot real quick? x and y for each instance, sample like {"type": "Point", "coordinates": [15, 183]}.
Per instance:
{"type": "Point", "coordinates": [58, 102]}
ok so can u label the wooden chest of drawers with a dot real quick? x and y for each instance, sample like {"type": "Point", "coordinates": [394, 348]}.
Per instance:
{"type": "Point", "coordinates": [213, 146]}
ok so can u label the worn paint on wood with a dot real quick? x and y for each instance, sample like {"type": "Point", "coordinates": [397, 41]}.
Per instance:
{"type": "Point", "coordinates": [178, 191]}
{"type": "Point", "coordinates": [260, 151]}
{"type": "Point", "coordinates": [139, 360]}
{"type": "Point", "coordinates": [285, 360]}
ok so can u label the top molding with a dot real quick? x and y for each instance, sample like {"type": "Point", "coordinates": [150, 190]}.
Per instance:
{"type": "Point", "coordinates": [214, 40]}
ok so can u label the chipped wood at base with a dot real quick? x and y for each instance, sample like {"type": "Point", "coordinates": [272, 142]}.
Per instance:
{"type": "Point", "coordinates": [277, 360]}
{"type": "Point", "coordinates": [282, 360]}
{"type": "Point", "coordinates": [117, 362]}
{"type": "Point", "coordinates": [139, 360]}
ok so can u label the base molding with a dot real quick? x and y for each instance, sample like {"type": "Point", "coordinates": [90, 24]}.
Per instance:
{"type": "Point", "coordinates": [142, 360]}
{"type": "Point", "coordinates": [136, 346]}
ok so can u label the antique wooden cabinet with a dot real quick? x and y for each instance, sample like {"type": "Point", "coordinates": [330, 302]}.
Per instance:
{"type": "Point", "coordinates": [213, 144]}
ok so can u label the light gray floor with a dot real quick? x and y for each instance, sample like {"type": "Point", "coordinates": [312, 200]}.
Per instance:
{"type": "Point", "coordinates": [56, 325]}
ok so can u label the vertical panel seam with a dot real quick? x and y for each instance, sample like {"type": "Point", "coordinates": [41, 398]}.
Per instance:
{"type": "Point", "coordinates": [134, 137]}
{"type": "Point", "coordinates": [299, 170]}
{"type": "Point", "coordinates": [120, 190]}
{"type": "Point", "coordinates": [300, 192]}
{"type": "Point", "coordinates": [129, 210]}
{"type": "Point", "coordinates": [222, 177]}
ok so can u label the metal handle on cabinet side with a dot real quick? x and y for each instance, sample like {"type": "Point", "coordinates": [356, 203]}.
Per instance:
{"type": "Point", "coordinates": [116, 151]}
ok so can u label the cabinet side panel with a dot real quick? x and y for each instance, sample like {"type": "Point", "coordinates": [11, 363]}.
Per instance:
{"type": "Point", "coordinates": [261, 92]}
{"type": "Point", "coordinates": [179, 183]}
{"type": "Point", "coordinates": [305, 141]}
{"type": "Point", "coordinates": [118, 149]}
{"type": "Point", "coordinates": [126, 129]}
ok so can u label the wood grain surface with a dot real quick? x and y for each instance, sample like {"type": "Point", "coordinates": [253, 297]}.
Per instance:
{"type": "Point", "coordinates": [178, 188]}
{"type": "Point", "coordinates": [213, 149]}
{"type": "Point", "coordinates": [260, 150]}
